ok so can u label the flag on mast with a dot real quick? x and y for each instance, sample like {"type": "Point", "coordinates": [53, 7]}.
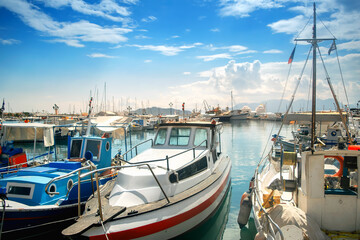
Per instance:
{"type": "Point", "coordinates": [332, 47]}
{"type": "Point", "coordinates": [292, 55]}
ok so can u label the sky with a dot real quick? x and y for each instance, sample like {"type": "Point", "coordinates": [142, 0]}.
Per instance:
{"type": "Point", "coordinates": [144, 53]}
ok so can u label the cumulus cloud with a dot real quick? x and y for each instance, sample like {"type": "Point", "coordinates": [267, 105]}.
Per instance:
{"type": "Point", "coordinates": [69, 33]}
{"type": "Point", "coordinates": [260, 82]}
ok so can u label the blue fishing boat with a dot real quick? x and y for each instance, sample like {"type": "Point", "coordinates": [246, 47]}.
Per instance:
{"type": "Point", "coordinates": [34, 198]}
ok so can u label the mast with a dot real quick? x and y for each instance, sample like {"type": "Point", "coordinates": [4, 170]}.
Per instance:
{"type": "Point", "coordinates": [313, 112]}
{"type": "Point", "coordinates": [314, 42]}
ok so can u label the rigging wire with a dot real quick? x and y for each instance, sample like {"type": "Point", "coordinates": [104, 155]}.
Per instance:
{"type": "Point", "coordinates": [343, 82]}
{"type": "Point", "coordinates": [304, 27]}
{"type": "Point", "coordinates": [308, 98]}
{"type": "Point", "coordinates": [325, 26]}
{"type": "Point", "coordinates": [288, 109]}
{"type": "Point", "coordinates": [334, 96]}
{"type": "Point", "coordinates": [293, 96]}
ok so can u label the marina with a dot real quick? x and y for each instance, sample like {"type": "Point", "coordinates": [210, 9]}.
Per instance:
{"type": "Point", "coordinates": [133, 119]}
{"type": "Point", "coordinates": [250, 135]}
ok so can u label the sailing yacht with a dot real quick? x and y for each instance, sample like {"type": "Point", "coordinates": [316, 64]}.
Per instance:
{"type": "Point", "coordinates": [309, 191]}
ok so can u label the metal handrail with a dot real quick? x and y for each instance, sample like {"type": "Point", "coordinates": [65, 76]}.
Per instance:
{"type": "Point", "coordinates": [118, 167]}
{"type": "Point", "coordinates": [152, 143]}
{"type": "Point", "coordinates": [89, 166]}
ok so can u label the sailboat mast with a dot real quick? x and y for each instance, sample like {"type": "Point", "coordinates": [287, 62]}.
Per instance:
{"type": "Point", "coordinates": [313, 112]}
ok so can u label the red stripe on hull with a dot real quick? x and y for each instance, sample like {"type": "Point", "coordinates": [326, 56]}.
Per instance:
{"type": "Point", "coordinates": [164, 224]}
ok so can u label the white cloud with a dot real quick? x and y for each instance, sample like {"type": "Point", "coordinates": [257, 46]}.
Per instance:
{"type": "Point", "coordinates": [100, 55]}
{"type": "Point", "coordinates": [187, 73]}
{"type": "Point", "coordinates": [148, 61]}
{"type": "Point", "coordinates": [289, 26]}
{"type": "Point", "coordinates": [9, 41]}
{"type": "Point", "coordinates": [214, 57]}
{"type": "Point", "coordinates": [260, 82]}
{"type": "Point", "coordinates": [243, 8]}
{"type": "Point", "coordinates": [273, 51]}
{"type": "Point", "coordinates": [70, 33]}
{"type": "Point", "coordinates": [232, 48]}
{"type": "Point", "coordinates": [70, 42]}
{"type": "Point", "coordinates": [337, 16]}
{"type": "Point", "coordinates": [165, 50]}
{"type": "Point", "coordinates": [149, 19]}
{"type": "Point", "coordinates": [215, 30]}
{"type": "Point", "coordinates": [349, 46]}
{"type": "Point", "coordinates": [108, 9]}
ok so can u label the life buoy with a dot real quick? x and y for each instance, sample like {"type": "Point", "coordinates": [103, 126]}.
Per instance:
{"type": "Point", "coordinates": [341, 169]}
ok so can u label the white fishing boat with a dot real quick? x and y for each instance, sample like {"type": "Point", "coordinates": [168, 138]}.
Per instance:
{"type": "Point", "coordinates": [311, 191]}
{"type": "Point", "coordinates": [164, 191]}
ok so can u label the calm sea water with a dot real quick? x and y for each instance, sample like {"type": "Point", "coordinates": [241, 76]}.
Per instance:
{"type": "Point", "coordinates": [244, 141]}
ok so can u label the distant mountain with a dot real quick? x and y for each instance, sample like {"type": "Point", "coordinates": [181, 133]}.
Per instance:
{"type": "Point", "coordinates": [160, 111]}
{"type": "Point", "coordinates": [298, 105]}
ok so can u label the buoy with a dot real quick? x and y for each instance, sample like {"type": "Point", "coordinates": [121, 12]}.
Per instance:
{"type": "Point", "coordinates": [245, 209]}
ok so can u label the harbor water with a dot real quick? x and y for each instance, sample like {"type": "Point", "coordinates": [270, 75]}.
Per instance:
{"type": "Point", "coordinates": [244, 141]}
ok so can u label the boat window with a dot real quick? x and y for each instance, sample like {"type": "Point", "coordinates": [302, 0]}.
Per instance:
{"type": "Point", "coordinates": [93, 146]}
{"type": "Point", "coordinates": [75, 148]}
{"type": "Point", "coordinates": [161, 137]}
{"type": "Point", "coordinates": [201, 134]}
{"type": "Point", "coordinates": [180, 136]}
{"type": "Point", "coordinates": [190, 170]}
{"type": "Point", "coordinates": [20, 190]}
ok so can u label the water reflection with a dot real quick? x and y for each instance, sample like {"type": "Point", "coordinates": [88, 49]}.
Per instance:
{"type": "Point", "coordinates": [214, 227]}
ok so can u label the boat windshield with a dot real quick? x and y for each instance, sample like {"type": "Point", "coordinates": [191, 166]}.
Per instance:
{"type": "Point", "coordinates": [179, 136]}
{"type": "Point", "coordinates": [161, 136]}
{"type": "Point", "coordinates": [201, 134]}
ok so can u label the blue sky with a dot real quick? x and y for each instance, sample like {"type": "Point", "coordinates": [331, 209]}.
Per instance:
{"type": "Point", "coordinates": [151, 53]}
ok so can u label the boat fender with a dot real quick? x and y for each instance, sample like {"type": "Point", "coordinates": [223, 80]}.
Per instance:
{"type": "Point", "coordinates": [245, 209]}
{"type": "Point", "coordinates": [341, 169]}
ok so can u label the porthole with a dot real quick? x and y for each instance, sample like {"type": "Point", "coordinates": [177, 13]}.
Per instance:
{"type": "Point", "coordinates": [52, 189]}
{"type": "Point", "coordinates": [107, 146]}
{"type": "Point", "coordinates": [70, 184]}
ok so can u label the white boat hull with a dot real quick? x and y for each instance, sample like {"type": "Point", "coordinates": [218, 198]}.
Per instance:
{"type": "Point", "coordinates": [171, 220]}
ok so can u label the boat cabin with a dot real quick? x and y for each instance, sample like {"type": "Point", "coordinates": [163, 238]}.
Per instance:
{"type": "Point", "coordinates": [181, 156]}
{"type": "Point", "coordinates": [95, 149]}
{"type": "Point", "coordinates": [329, 192]}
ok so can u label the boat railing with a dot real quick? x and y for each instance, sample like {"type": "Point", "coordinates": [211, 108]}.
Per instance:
{"type": "Point", "coordinates": [257, 198]}
{"type": "Point", "coordinates": [167, 158]}
{"type": "Point", "coordinates": [89, 166]}
{"type": "Point", "coordinates": [96, 171]}
{"type": "Point", "coordinates": [136, 147]}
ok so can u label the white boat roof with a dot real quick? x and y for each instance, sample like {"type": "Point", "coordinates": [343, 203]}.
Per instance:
{"type": "Point", "coordinates": [29, 125]}
{"type": "Point", "coordinates": [174, 162]}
